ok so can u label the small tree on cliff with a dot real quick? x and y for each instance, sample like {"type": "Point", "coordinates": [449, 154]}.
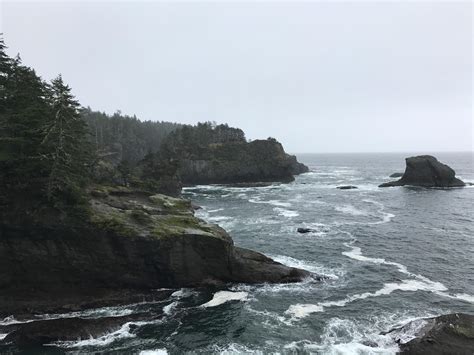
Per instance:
{"type": "Point", "coordinates": [65, 143]}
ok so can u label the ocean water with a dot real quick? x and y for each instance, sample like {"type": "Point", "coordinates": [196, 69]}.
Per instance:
{"type": "Point", "coordinates": [390, 255]}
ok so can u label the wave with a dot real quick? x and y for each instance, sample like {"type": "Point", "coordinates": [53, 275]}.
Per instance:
{"type": "Point", "coordinates": [170, 307]}
{"type": "Point", "coordinates": [277, 203]}
{"type": "Point", "coordinates": [122, 333]}
{"type": "Point", "coordinates": [3, 336]}
{"type": "Point", "coordinates": [349, 209]}
{"type": "Point", "coordinates": [154, 352]}
{"type": "Point", "coordinates": [303, 310]}
{"type": "Point", "coordinates": [309, 266]}
{"type": "Point", "coordinates": [222, 297]}
{"type": "Point", "coordinates": [286, 213]}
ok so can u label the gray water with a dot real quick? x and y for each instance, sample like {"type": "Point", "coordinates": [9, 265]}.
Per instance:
{"type": "Point", "coordinates": [389, 256]}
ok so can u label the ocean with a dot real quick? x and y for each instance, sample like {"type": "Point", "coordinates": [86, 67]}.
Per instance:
{"type": "Point", "coordinates": [389, 256]}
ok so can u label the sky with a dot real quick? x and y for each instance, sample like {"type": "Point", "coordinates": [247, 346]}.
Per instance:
{"type": "Point", "coordinates": [319, 76]}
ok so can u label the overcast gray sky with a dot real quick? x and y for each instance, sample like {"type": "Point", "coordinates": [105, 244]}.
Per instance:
{"type": "Point", "coordinates": [318, 76]}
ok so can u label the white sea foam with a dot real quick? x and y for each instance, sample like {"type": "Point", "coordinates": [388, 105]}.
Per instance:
{"type": "Point", "coordinates": [349, 209]}
{"type": "Point", "coordinates": [123, 332]}
{"type": "Point", "coordinates": [154, 352]}
{"type": "Point", "coordinates": [225, 296]}
{"type": "Point", "coordinates": [168, 309]}
{"type": "Point", "coordinates": [270, 202]}
{"type": "Point", "coordinates": [219, 218]}
{"type": "Point", "coordinates": [307, 265]}
{"type": "Point", "coordinates": [184, 292]}
{"type": "Point", "coordinates": [3, 336]}
{"type": "Point", "coordinates": [216, 210]}
{"type": "Point", "coordinates": [286, 213]}
{"type": "Point", "coordinates": [303, 310]}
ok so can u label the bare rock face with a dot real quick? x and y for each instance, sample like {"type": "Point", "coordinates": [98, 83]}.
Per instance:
{"type": "Point", "coordinates": [426, 171]}
{"type": "Point", "coordinates": [446, 334]}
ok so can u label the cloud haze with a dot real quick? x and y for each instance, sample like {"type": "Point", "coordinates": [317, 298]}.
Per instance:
{"type": "Point", "coordinates": [318, 76]}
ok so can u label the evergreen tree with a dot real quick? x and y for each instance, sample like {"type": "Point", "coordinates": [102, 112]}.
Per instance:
{"type": "Point", "coordinates": [65, 143]}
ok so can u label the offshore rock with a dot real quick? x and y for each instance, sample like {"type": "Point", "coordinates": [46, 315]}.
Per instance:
{"type": "Point", "coordinates": [347, 187]}
{"type": "Point", "coordinates": [426, 171]}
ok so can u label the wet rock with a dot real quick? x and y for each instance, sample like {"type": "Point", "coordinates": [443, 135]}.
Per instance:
{"type": "Point", "coordinates": [446, 334]}
{"type": "Point", "coordinates": [304, 230]}
{"type": "Point", "coordinates": [64, 329]}
{"type": "Point", "coordinates": [347, 187]}
{"type": "Point", "coordinates": [426, 171]}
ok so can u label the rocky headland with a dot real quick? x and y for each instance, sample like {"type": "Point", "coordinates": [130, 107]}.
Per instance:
{"type": "Point", "coordinates": [239, 162]}
{"type": "Point", "coordinates": [426, 171]}
{"type": "Point", "coordinates": [127, 241]}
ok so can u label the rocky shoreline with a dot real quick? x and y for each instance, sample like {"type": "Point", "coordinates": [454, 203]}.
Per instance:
{"type": "Point", "coordinates": [132, 242]}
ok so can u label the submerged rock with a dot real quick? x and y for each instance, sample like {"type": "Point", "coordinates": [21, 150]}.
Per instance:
{"type": "Point", "coordinates": [129, 240]}
{"type": "Point", "coordinates": [395, 175]}
{"type": "Point", "coordinates": [347, 187]}
{"type": "Point", "coordinates": [426, 171]}
{"type": "Point", "coordinates": [304, 230]}
{"type": "Point", "coordinates": [446, 334]}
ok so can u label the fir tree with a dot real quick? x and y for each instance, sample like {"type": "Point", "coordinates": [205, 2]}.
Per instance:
{"type": "Point", "coordinates": [65, 143]}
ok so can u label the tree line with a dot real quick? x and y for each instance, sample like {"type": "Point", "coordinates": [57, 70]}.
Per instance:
{"type": "Point", "coordinates": [51, 148]}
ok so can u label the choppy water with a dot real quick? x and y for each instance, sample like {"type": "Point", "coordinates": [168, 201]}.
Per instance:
{"type": "Point", "coordinates": [390, 255]}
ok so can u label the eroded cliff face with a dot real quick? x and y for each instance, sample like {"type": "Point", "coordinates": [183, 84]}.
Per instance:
{"type": "Point", "coordinates": [239, 162]}
{"type": "Point", "coordinates": [132, 240]}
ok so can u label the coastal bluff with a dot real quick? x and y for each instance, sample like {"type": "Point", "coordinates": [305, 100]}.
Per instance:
{"type": "Point", "coordinates": [126, 240]}
{"type": "Point", "coordinates": [239, 162]}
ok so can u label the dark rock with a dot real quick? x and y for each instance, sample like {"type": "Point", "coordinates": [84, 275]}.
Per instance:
{"type": "Point", "coordinates": [304, 230]}
{"type": "Point", "coordinates": [426, 171]}
{"type": "Point", "coordinates": [395, 175]}
{"type": "Point", "coordinates": [130, 241]}
{"type": "Point", "coordinates": [64, 329]}
{"type": "Point", "coordinates": [347, 187]}
{"type": "Point", "coordinates": [447, 334]}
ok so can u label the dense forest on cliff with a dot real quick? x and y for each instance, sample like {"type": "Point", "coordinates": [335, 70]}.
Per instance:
{"type": "Point", "coordinates": [51, 148]}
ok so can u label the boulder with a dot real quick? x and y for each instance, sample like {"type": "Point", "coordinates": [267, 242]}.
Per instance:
{"type": "Point", "coordinates": [347, 187]}
{"type": "Point", "coordinates": [446, 334]}
{"type": "Point", "coordinates": [426, 171]}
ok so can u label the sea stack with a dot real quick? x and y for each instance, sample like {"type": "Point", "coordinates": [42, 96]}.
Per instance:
{"type": "Point", "coordinates": [426, 171]}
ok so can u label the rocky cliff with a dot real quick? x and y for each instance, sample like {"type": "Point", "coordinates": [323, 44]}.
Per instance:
{"type": "Point", "coordinates": [128, 240]}
{"type": "Point", "coordinates": [239, 162]}
{"type": "Point", "coordinates": [426, 171]}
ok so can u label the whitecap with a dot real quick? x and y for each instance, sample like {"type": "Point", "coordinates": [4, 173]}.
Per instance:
{"type": "Point", "coordinates": [3, 336]}
{"type": "Point", "coordinates": [349, 209]}
{"type": "Point", "coordinates": [170, 307]}
{"type": "Point", "coordinates": [225, 296]}
{"type": "Point", "coordinates": [307, 265]}
{"type": "Point", "coordinates": [154, 352]}
{"type": "Point", "coordinates": [286, 213]}
{"type": "Point", "coordinates": [303, 310]}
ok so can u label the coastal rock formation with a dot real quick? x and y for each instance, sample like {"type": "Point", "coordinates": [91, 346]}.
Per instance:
{"type": "Point", "coordinates": [426, 171]}
{"type": "Point", "coordinates": [128, 240]}
{"type": "Point", "coordinates": [239, 162]}
{"type": "Point", "coordinates": [447, 334]}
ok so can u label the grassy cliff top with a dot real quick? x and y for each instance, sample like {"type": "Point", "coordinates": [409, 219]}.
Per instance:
{"type": "Point", "coordinates": [133, 213]}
